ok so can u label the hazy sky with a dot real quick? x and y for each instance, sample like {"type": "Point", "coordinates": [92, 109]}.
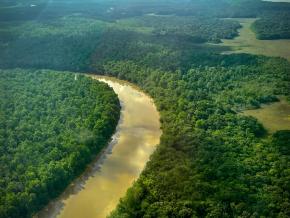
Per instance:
{"type": "Point", "coordinates": [277, 0]}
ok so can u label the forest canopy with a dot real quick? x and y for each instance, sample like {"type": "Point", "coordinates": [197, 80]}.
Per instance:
{"type": "Point", "coordinates": [275, 26]}
{"type": "Point", "coordinates": [212, 161]}
{"type": "Point", "coordinates": [52, 125]}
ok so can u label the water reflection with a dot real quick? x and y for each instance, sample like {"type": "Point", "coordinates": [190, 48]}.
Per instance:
{"type": "Point", "coordinates": [97, 192]}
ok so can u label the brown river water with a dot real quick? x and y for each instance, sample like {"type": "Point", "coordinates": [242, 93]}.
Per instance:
{"type": "Point", "coordinates": [96, 193]}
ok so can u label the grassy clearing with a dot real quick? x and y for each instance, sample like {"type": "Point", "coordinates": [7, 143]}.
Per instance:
{"type": "Point", "coordinates": [246, 42]}
{"type": "Point", "coordinates": [275, 116]}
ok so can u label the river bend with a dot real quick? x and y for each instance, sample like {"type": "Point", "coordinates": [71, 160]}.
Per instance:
{"type": "Point", "coordinates": [96, 193]}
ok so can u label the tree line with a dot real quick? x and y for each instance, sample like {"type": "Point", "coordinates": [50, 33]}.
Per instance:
{"type": "Point", "coordinates": [212, 161]}
{"type": "Point", "coordinates": [51, 127]}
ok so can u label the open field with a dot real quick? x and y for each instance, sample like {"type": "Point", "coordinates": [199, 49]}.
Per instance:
{"type": "Point", "coordinates": [246, 42]}
{"type": "Point", "coordinates": [275, 116]}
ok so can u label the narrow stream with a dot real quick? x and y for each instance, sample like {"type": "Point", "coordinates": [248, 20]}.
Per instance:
{"type": "Point", "coordinates": [96, 193]}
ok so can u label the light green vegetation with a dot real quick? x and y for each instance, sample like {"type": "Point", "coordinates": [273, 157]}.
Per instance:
{"type": "Point", "coordinates": [246, 42]}
{"type": "Point", "coordinates": [275, 116]}
{"type": "Point", "coordinates": [132, 25]}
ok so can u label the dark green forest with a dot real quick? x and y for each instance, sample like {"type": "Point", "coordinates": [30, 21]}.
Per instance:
{"type": "Point", "coordinates": [275, 26]}
{"type": "Point", "coordinates": [212, 161]}
{"type": "Point", "coordinates": [52, 126]}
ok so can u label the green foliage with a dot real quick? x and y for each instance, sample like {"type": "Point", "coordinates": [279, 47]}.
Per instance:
{"type": "Point", "coordinates": [197, 29]}
{"type": "Point", "coordinates": [282, 140]}
{"type": "Point", "coordinates": [64, 44]}
{"type": "Point", "coordinates": [211, 162]}
{"type": "Point", "coordinates": [275, 26]}
{"type": "Point", "coordinates": [51, 127]}
{"type": "Point", "coordinates": [68, 43]}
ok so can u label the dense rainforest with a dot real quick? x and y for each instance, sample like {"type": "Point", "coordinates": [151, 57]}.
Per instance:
{"type": "Point", "coordinates": [212, 161]}
{"type": "Point", "coordinates": [275, 26]}
{"type": "Point", "coordinates": [52, 126]}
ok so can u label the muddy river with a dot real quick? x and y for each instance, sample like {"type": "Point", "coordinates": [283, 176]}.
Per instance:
{"type": "Point", "coordinates": [96, 193]}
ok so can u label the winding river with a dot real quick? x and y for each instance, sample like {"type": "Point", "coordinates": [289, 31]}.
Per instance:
{"type": "Point", "coordinates": [96, 193]}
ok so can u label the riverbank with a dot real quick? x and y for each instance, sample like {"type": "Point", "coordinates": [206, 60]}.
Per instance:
{"type": "Point", "coordinates": [99, 189]}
